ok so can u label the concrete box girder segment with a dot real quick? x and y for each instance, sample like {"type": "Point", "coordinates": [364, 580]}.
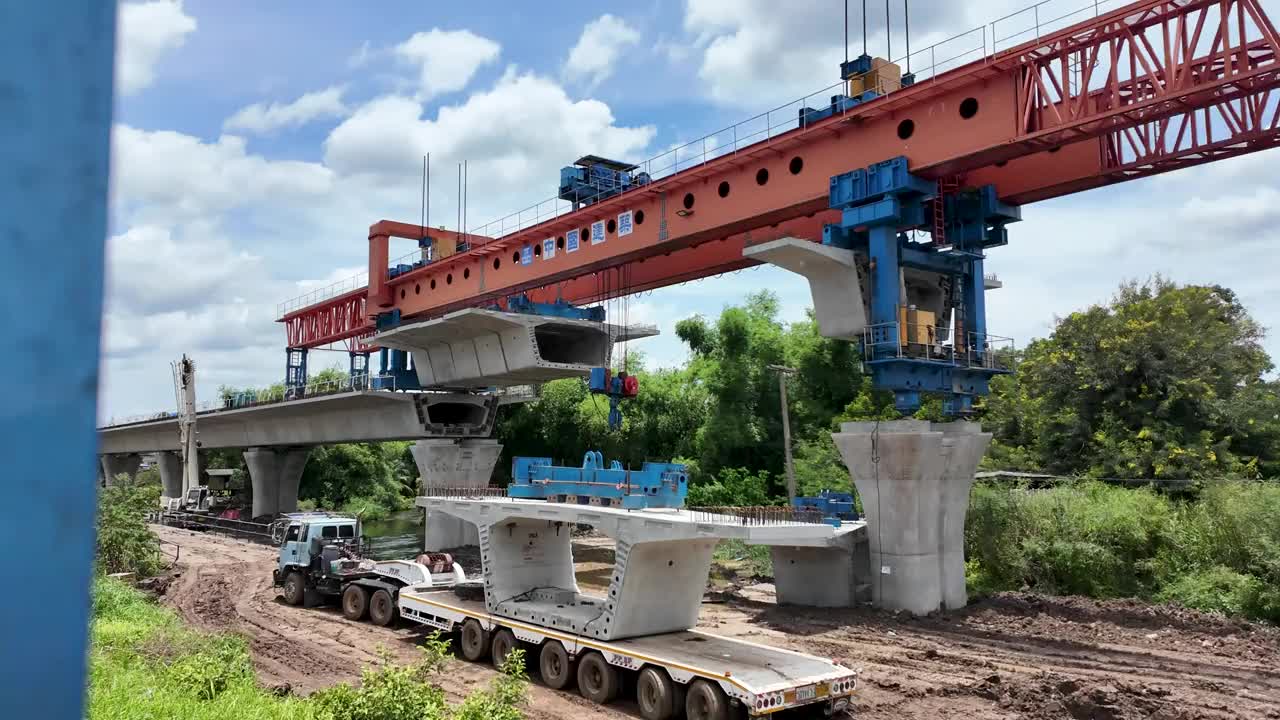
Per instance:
{"type": "Point", "coordinates": [661, 564]}
{"type": "Point", "coordinates": [914, 479]}
{"type": "Point", "coordinates": [486, 348]}
{"type": "Point", "coordinates": [838, 301]}
{"type": "Point", "coordinates": [364, 416]}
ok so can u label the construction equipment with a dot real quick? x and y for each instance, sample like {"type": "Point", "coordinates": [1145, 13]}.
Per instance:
{"type": "Point", "coordinates": [654, 485]}
{"type": "Point", "coordinates": [321, 556]}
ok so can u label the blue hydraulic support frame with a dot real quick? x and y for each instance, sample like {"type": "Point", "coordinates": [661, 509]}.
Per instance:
{"type": "Point", "coordinates": [56, 83]}
{"type": "Point", "coordinates": [879, 205]}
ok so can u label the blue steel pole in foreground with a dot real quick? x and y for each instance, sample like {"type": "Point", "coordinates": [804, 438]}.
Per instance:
{"type": "Point", "coordinates": [56, 59]}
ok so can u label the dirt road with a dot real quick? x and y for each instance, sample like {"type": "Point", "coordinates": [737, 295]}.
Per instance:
{"type": "Point", "coordinates": [1012, 656]}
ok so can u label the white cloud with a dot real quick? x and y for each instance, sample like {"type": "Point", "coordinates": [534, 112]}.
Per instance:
{"type": "Point", "coordinates": [165, 175]}
{"type": "Point", "coordinates": [602, 41]}
{"type": "Point", "coordinates": [263, 118]}
{"type": "Point", "coordinates": [447, 59]}
{"type": "Point", "coordinates": [148, 30]}
{"type": "Point", "coordinates": [514, 155]}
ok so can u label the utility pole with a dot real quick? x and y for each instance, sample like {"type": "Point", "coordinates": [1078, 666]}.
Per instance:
{"type": "Point", "coordinates": [783, 371]}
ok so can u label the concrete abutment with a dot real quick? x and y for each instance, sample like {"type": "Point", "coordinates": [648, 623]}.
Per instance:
{"type": "Point", "coordinates": [275, 474]}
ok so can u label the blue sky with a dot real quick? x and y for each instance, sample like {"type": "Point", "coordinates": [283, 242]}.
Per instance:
{"type": "Point", "coordinates": [255, 142]}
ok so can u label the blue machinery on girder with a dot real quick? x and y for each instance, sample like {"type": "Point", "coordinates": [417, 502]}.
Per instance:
{"type": "Point", "coordinates": [654, 485]}
{"type": "Point", "coordinates": [927, 322]}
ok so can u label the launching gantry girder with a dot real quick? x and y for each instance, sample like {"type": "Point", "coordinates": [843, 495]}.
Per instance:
{"type": "Point", "coordinates": [1150, 87]}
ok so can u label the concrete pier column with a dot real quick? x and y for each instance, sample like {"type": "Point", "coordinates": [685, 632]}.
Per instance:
{"type": "Point", "coordinates": [170, 474]}
{"type": "Point", "coordinates": [477, 458]}
{"type": "Point", "coordinates": [275, 474]}
{"type": "Point", "coordinates": [914, 479]}
{"type": "Point", "coordinates": [450, 465]}
{"type": "Point", "coordinates": [120, 464]}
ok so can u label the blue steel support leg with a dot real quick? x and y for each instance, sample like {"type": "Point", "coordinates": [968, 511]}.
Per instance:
{"type": "Point", "coordinates": [975, 306]}
{"type": "Point", "coordinates": [55, 78]}
{"type": "Point", "coordinates": [885, 289]}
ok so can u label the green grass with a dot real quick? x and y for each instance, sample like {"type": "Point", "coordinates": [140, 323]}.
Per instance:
{"type": "Point", "coordinates": [146, 665]}
{"type": "Point", "coordinates": [734, 558]}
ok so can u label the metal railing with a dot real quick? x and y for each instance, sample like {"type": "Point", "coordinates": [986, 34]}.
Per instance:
{"type": "Point", "coordinates": [756, 516]}
{"type": "Point", "coordinates": [933, 343]}
{"type": "Point", "coordinates": [926, 64]}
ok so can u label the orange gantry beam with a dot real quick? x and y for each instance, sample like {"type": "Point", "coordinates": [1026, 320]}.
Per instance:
{"type": "Point", "coordinates": [1151, 87]}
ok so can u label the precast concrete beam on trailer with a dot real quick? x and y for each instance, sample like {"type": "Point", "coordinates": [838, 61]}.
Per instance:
{"type": "Point", "coordinates": [914, 479]}
{"type": "Point", "coordinates": [275, 474]}
{"type": "Point", "coordinates": [661, 562]}
{"type": "Point", "coordinates": [474, 347]}
{"type": "Point", "coordinates": [362, 416]}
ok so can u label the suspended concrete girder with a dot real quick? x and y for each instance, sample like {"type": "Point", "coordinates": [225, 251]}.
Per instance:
{"type": "Point", "coordinates": [487, 348]}
{"type": "Point", "coordinates": [275, 474]}
{"type": "Point", "coordinates": [914, 479]}
{"type": "Point", "coordinates": [834, 281]}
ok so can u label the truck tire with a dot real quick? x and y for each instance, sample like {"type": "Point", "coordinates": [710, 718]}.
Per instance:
{"type": "Point", "coordinates": [706, 701]}
{"type": "Point", "coordinates": [382, 608]}
{"type": "Point", "coordinates": [555, 666]}
{"type": "Point", "coordinates": [504, 641]}
{"type": "Point", "coordinates": [475, 640]}
{"type": "Point", "coordinates": [355, 602]}
{"type": "Point", "coordinates": [658, 696]}
{"type": "Point", "coordinates": [295, 588]}
{"type": "Point", "coordinates": [598, 681]}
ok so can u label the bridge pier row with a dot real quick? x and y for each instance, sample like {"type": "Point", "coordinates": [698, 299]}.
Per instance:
{"type": "Point", "coordinates": [914, 478]}
{"type": "Point", "coordinates": [116, 464]}
{"type": "Point", "coordinates": [170, 474]}
{"type": "Point", "coordinates": [450, 466]}
{"type": "Point", "coordinates": [274, 474]}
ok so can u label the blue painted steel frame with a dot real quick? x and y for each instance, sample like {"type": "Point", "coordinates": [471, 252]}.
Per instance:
{"type": "Point", "coordinates": [654, 485]}
{"type": "Point", "coordinates": [56, 94]}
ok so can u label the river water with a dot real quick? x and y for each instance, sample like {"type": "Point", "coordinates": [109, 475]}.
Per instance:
{"type": "Point", "coordinates": [397, 537]}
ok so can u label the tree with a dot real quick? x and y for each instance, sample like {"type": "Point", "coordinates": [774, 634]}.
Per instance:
{"type": "Point", "coordinates": [1166, 381]}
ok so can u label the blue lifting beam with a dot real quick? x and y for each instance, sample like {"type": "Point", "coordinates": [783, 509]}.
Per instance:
{"type": "Point", "coordinates": [654, 485]}
{"type": "Point", "coordinates": [836, 507]}
{"type": "Point", "coordinates": [936, 342]}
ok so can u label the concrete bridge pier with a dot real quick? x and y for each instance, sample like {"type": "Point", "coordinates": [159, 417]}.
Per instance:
{"type": "Point", "coordinates": [445, 464]}
{"type": "Point", "coordinates": [914, 479]}
{"type": "Point", "coordinates": [117, 464]}
{"type": "Point", "coordinates": [833, 576]}
{"type": "Point", "coordinates": [170, 474]}
{"type": "Point", "coordinates": [274, 474]}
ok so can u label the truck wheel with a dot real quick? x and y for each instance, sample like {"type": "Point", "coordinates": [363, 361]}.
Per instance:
{"type": "Point", "coordinates": [382, 608]}
{"type": "Point", "coordinates": [294, 588]}
{"type": "Point", "coordinates": [555, 666]}
{"type": "Point", "coordinates": [706, 701]}
{"type": "Point", "coordinates": [355, 602]}
{"type": "Point", "coordinates": [475, 640]}
{"type": "Point", "coordinates": [597, 680]}
{"type": "Point", "coordinates": [659, 697]}
{"type": "Point", "coordinates": [504, 641]}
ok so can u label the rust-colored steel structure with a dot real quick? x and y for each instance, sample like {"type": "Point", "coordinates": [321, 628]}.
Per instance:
{"type": "Point", "coordinates": [1151, 87]}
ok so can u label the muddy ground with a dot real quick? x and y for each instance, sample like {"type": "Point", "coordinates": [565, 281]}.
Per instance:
{"type": "Point", "coordinates": [1015, 655]}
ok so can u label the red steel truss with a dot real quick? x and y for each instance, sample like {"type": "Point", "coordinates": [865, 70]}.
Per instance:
{"type": "Point", "coordinates": [1151, 87]}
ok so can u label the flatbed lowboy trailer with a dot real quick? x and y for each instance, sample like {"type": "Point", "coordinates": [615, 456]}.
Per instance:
{"type": "Point", "coordinates": [763, 680]}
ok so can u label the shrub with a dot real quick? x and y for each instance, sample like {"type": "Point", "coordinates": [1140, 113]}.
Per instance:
{"type": "Point", "coordinates": [732, 486]}
{"type": "Point", "coordinates": [502, 700]}
{"type": "Point", "coordinates": [389, 691]}
{"type": "Point", "coordinates": [125, 544]}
